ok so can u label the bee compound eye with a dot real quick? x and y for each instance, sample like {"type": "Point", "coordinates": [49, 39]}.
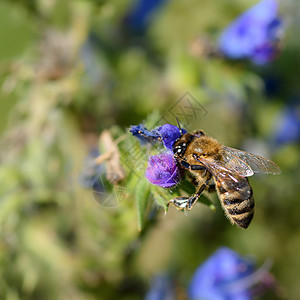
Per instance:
{"type": "Point", "coordinates": [178, 150]}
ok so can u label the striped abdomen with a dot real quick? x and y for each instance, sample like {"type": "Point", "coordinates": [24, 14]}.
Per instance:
{"type": "Point", "coordinates": [236, 197]}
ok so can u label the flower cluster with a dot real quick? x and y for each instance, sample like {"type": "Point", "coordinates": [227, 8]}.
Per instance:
{"type": "Point", "coordinates": [162, 169]}
{"type": "Point", "coordinates": [226, 275]}
{"type": "Point", "coordinates": [254, 35]}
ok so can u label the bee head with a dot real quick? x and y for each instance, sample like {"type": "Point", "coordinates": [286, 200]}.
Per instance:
{"type": "Point", "coordinates": [179, 150]}
{"type": "Point", "coordinates": [180, 145]}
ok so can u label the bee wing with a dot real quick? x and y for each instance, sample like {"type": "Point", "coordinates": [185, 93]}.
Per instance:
{"type": "Point", "coordinates": [257, 163]}
{"type": "Point", "coordinates": [226, 179]}
{"type": "Point", "coordinates": [234, 191]}
{"type": "Point", "coordinates": [233, 162]}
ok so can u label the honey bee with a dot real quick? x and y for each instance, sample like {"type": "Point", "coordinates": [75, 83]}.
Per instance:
{"type": "Point", "coordinates": [226, 168]}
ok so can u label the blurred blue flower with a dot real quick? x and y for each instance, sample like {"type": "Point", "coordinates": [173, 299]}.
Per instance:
{"type": "Point", "coordinates": [166, 133]}
{"type": "Point", "coordinates": [288, 126]}
{"type": "Point", "coordinates": [224, 276]}
{"type": "Point", "coordinates": [254, 35]}
{"type": "Point", "coordinates": [162, 170]}
{"type": "Point", "coordinates": [161, 289]}
{"type": "Point", "coordinates": [91, 171]}
{"type": "Point", "coordinates": [272, 84]}
{"type": "Point", "coordinates": [140, 13]}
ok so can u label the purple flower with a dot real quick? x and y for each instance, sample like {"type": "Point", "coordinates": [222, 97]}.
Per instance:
{"type": "Point", "coordinates": [254, 35]}
{"type": "Point", "coordinates": [226, 276]}
{"type": "Point", "coordinates": [162, 170]}
{"type": "Point", "coordinates": [166, 133]}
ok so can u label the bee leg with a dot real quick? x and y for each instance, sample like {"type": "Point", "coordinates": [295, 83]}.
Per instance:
{"type": "Point", "coordinates": [180, 202]}
{"type": "Point", "coordinates": [188, 202]}
{"type": "Point", "coordinates": [184, 202]}
{"type": "Point", "coordinates": [211, 188]}
{"type": "Point", "coordinates": [196, 196]}
{"type": "Point", "coordinates": [197, 168]}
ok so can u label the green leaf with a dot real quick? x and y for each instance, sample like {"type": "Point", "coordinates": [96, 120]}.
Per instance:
{"type": "Point", "coordinates": [187, 186]}
{"type": "Point", "coordinates": [160, 195]}
{"type": "Point", "coordinates": [163, 195]}
{"type": "Point", "coordinates": [142, 192]}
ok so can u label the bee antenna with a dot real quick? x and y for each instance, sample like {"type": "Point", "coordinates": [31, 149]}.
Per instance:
{"type": "Point", "coordinates": [179, 126]}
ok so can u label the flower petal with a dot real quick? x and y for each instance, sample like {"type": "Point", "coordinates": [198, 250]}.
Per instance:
{"type": "Point", "coordinates": [169, 134]}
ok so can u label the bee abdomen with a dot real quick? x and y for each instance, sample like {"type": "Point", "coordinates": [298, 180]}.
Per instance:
{"type": "Point", "coordinates": [245, 206]}
{"type": "Point", "coordinates": [238, 203]}
{"type": "Point", "coordinates": [240, 211]}
{"type": "Point", "coordinates": [243, 221]}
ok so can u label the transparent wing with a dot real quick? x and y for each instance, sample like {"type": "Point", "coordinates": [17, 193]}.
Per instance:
{"type": "Point", "coordinates": [226, 179]}
{"type": "Point", "coordinates": [233, 162]}
{"type": "Point", "coordinates": [257, 163]}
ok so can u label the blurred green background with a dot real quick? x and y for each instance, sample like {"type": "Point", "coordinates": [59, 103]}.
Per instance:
{"type": "Point", "coordinates": [69, 70]}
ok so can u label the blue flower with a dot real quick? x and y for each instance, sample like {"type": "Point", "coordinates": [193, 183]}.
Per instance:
{"type": "Point", "coordinates": [143, 134]}
{"type": "Point", "coordinates": [254, 35]}
{"type": "Point", "coordinates": [161, 289]}
{"type": "Point", "coordinates": [288, 125]}
{"type": "Point", "coordinates": [224, 276]}
{"type": "Point", "coordinates": [162, 170]}
{"type": "Point", "coordinates": [140, 14]}
{"type": "Point", "coordinates": [166, 133]}
{"type": "Point", "coordinates": [91, 172]}
{"type": "Point", "coordinates": [169, 134]}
